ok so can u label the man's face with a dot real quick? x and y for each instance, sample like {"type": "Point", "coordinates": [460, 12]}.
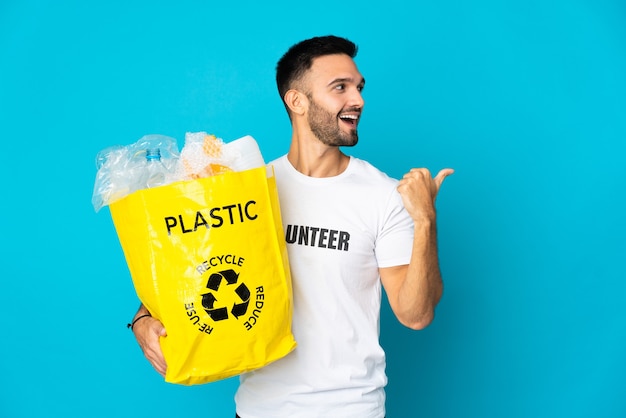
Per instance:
{"type": "Point", "coordinates": [334, 87]}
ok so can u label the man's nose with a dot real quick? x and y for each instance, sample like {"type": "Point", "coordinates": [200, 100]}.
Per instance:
{"type": "Point", "coordinates": [356, 99]}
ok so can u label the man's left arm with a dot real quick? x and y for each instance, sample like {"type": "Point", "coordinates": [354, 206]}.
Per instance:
{"type": "Point", "coordinates": [414, 290]}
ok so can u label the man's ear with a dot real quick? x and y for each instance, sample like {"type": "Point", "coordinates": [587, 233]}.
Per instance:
{"type": "Point", "coordinates": [296, 101]}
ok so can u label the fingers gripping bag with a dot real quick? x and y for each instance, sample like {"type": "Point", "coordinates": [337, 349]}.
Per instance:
{"type": "Point", "coordinates": [208, 258]}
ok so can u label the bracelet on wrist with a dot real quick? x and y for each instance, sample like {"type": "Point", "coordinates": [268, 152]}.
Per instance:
{"type": "Point", "coordinates": [132, 324]}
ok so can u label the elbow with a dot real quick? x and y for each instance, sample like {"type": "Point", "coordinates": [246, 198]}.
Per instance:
{"type": "Point", "coordinates": [421, 315]}
{"type": "Point", "coordinates": [419, 319]}
{"type": "Point", "coordinates": [420, 322]}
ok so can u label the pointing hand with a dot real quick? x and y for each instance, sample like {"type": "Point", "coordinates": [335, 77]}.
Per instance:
{"type": "Point", "coordinates": [419, 191]}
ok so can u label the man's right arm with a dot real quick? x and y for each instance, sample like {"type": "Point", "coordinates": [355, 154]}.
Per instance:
{"type": "Point", "coordinates": [148, 332]}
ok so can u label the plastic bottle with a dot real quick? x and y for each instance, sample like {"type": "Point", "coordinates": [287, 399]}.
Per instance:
{"type": "Point", "coordinates": [156, 172]}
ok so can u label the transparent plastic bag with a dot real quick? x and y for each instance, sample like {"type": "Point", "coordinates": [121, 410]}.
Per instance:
{"type": "Point", "coordinates": [121, 169]}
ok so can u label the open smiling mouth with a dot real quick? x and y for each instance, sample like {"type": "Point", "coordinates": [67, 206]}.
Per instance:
{"type": "Point", "coordinates": [351, 120]}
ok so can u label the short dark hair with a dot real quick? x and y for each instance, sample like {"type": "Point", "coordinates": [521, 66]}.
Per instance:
{"type": "Point", "coordinates": [299, 58]}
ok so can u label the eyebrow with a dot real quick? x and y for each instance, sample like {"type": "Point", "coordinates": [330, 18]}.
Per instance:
{"type": "Point", "coordinates": [346, 79]}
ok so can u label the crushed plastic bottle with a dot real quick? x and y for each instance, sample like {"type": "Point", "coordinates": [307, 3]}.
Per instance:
{"type": "Point", "coordinates": [122, 170]}
{"type": "Point", "coordinates": [156, 174]}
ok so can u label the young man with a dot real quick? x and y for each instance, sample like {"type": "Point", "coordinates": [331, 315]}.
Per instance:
{"type": "Point", "coordinates": [349, 228]}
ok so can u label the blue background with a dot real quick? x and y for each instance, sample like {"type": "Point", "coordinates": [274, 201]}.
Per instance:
{"type": "Point", "coordinates": [526, 100]}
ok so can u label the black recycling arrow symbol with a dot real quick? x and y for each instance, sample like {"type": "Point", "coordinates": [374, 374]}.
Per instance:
{"type": "Point", "coordinates": [241, 308]}
{"type": "Point", "coordinates": [230, 276]}
{"type": "Point", "coordinates": [216, 279]}
{"type": "Point", "coordinates": [208, 299]}
{"type": "Point", "coordinates": [217, 314]}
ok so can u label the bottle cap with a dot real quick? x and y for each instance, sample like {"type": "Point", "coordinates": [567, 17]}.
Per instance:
{"type": "Point", "coordinates": [153, 154]}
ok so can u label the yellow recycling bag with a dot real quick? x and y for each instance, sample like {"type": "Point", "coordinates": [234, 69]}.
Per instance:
{"type": "Point", "coordinates": [208, 259]}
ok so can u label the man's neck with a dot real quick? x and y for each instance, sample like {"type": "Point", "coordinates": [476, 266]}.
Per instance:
{"type": "Point", "coordinates": [315, 159]}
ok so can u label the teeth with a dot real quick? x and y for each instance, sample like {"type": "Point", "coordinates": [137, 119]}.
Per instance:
{"type": "Point", "coordinates": [354, 117]}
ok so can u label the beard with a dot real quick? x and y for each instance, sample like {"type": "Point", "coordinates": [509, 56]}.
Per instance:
{"type": "Point", "coordinates": [325, 126]}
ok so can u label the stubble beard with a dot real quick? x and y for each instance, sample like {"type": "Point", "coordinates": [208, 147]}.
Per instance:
{"type": "Point", "coordinates": [325, 126]}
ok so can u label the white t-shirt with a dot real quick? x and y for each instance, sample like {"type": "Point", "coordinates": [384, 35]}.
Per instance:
{"type": "Point", "coordinates": [339, 231]}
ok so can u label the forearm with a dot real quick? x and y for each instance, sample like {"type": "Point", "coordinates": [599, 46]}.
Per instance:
{"type": "Point", "coordinates": [422, 287]}
{"type": "Point", "coordinates": [416, 289]}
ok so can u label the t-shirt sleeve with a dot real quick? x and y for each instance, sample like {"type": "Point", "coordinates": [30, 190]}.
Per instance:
{"type": "Point", "coordinates": [394, 241]}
